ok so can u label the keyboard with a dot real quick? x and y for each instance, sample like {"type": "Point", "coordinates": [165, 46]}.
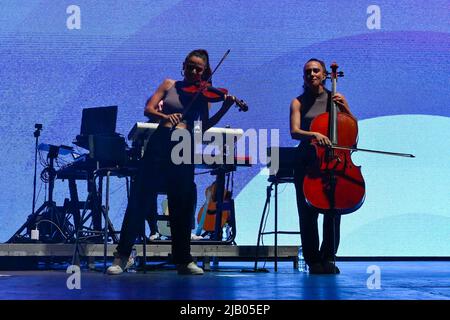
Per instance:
{"type": "Point", "coordinates": [143, 130]}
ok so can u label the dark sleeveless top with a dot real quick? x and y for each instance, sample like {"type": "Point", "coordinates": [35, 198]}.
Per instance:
{"type": "Point", "coordinates": [176, 101]}
{"type": "Point", "coordinates": [312, 106]}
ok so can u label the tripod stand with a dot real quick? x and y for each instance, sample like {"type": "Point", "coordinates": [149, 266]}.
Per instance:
{"type": "Point", "coordinates": [36, 134]}
{"type": "Point", "coordinates": [56, 227]}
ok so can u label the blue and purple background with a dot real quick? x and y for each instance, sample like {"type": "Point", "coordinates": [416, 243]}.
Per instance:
{"type": "Point", "coordinates": [396, 81]}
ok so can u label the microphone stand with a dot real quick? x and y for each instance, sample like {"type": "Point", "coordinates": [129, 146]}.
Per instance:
{"type": "Point", "coordinates": [37, 133]}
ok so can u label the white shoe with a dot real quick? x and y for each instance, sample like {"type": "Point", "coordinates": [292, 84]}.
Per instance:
{"type": "Point", "coordinates": [196, 237]}
{"type": "Point", "coordinates": [120, 264]}
{"type": "Point", "coordinates": [155, 236]}
{"type": "Point", "coordinates": [190, 268]}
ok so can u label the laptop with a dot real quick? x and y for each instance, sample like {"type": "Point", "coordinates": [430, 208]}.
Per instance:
{"type": "Point", "coordinates": [99, 120]}
{"type": "Point", "coordinates": [96, 121]}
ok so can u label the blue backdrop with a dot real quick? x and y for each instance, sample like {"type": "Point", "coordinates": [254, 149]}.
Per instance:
{"type": "Point", "coordinates": [57, 58]}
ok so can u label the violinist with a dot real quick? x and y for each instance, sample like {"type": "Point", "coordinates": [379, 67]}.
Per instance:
{"type": "Point", "coordinates": [179, 113]}
{"type": "Point", "coordinates": [316, 99]}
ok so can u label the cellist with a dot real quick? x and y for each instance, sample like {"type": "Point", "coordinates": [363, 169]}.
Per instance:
{"type": "Point", "coordinates": [316, 99]}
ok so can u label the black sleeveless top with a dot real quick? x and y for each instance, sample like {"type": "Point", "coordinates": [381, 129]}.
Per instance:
{"type": "Point", "coordinates": [312, 106]}
{"type": "Point", "coordinates": [176, 101]}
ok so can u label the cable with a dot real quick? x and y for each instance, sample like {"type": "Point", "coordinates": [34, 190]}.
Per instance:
{"type": "Point", "coordinates": [117, 189]}
{"type": "Point", "coordinates": [42, 160]}
{"type": "Point", "coordinates": [284, 189]}
{"type": "Point", "coordinates": [91, 236]}
{"type": "Point", "coordinates": [45, 220]}
{"type": "Point", "coordinates": [38, 194]}
{"type": "Point", "coordinates": [45, 175]}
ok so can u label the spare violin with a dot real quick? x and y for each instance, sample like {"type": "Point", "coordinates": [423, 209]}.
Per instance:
{"type": "Point", "coordinates": [212, 94]}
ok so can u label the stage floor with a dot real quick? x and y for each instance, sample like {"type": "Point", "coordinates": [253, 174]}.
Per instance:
{"type": "Point", "coordinates": [406, 280]}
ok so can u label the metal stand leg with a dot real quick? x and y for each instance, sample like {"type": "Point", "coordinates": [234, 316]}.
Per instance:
{"type": "Point", "coordinates": [260, 233]}
{"type": "Point", "coordinates": [144, 249]}
{"type": "Point", "coordinates": [76, 252]}
{"type": "Point", "coordinates": [206, 263]}
{"type": "Point", "coordinates": [105, 230]}
{"type": "Point", "coordinates": [276, 228]}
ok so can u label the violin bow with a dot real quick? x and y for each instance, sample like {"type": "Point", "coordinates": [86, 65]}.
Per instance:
{"type": "Point", "coordinates": [218, 65]}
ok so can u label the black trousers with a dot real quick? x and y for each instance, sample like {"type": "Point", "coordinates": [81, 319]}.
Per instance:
{"type": "Point", "coordinates": [157, 172]}
{"type": "Point", "coordinates": [152, 215]}
{"type": "Point", "coordinates": [308, 217]}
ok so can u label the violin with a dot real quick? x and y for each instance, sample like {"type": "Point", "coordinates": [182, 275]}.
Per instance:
{"type": "Point", "coordinates": [333, 184]}
{"type": "Point", "coordinates": [212, 94]}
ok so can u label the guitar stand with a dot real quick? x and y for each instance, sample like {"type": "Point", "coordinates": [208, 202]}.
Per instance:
{"type": "Point", "coordinates": [220, 190]}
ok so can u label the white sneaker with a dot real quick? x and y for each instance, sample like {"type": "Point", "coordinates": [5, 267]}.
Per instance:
{"type": "Point", "coordinates": [155, 236]}
{"type": "Point", "coordinates": [190, 268]}
{"type": "Point", "coordinates": [120, 264]}
{"type": "Point", "coordinates": [196, 237]}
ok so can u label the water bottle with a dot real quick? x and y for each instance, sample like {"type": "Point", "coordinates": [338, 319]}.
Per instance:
{"type": "Point", "coordinates": [197, 127]}
{"type": "Point", "coordinates": [226, 232]}
{"type": "Point", "coordinates": [301, 260]}
{"type": "Point", "coordinates": [133, 255]}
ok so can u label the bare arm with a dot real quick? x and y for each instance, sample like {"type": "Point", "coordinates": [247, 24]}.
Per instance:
{"type": "Point", "coordinates": [211, 122]}
{"type": "Point", "coordinates": [296, 118]}
{"type": "Point", "coordinates": [151, 109]}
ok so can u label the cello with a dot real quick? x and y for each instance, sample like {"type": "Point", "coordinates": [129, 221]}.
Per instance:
{"type": "Point", "coordinates": [333, 184]}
